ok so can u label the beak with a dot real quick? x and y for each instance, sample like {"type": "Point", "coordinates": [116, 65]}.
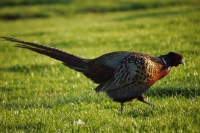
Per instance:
{"type": "Point", "coordinates": [182, 62]}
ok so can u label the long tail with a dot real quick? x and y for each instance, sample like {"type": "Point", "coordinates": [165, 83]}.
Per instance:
{"type": "Point", "coordinates": [70, 60]}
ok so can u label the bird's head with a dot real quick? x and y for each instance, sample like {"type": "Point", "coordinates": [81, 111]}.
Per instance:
{"type": "Point", "coordinates": [172, 59]}
{"type": "Point", "coordinates": [176, 58]}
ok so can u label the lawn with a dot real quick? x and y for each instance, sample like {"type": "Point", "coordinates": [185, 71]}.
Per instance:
{"type": "Point", "coordinates": [39, 94]}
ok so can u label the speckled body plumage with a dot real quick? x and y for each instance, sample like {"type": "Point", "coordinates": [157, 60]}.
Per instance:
{"type": "Point", "coordinates": [122, 75]}
{"type": "Point", "coordinates": [134, 75]}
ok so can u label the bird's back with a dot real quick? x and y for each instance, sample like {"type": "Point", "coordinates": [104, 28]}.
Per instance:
{"type": "Point", "coordinates": [102, 68]}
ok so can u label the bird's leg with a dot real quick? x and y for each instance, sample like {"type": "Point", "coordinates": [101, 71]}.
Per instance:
{"type": "Point", "coordinates": [141, 99]}
{"type": "Point", "coordinates": [122, 107]}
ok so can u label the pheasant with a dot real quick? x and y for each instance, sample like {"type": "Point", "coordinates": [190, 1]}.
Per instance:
{"type": "Point", "coordinates": [123, 75]}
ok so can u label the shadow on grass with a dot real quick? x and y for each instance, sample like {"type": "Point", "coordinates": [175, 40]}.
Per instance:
{"type": "Point", "coordinates": [22, 16]}
{"type": "Point", "coordinates": [155, 14]}
{"type": "Point", "coordinates": [32, 2]}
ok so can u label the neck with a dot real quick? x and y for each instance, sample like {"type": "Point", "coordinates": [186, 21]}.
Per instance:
{"type": "Point", "coordinates": [166, 60]}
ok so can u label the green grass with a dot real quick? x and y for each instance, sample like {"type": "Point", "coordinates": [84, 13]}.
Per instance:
{"type": "Point", "coordinates": [39, 94]}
